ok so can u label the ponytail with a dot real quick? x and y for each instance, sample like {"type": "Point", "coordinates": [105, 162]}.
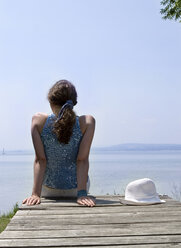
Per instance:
{"type": "Point", "coordinates": [63, 126]}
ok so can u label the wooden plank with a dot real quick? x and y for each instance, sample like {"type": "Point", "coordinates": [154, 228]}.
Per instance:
{"type": "Point", "coordinates": [106, 216]}
{"type": "Point", "coordinates": [95, 220]}
{"type": "Point", "coordinates": [95, 210]}
{"type": "Point", "coordinates": [36, 207]}
{"type": "Point", "coordinates": [161, 239]}
{"type": "Point", "coordinates": [100, 202]}
{"type": "Point", "coordinates": [96, 232]}
{"type": "Point", "coordinates": [103, 197]}
{"type": "Point", "coordinates": [100, 196]}
{"type": "Point", "coordinates": [177, 245]}
{"type": "Point", "coordinates": [103, 203]}
{"type": "Point", "coordinates": [155, 225]}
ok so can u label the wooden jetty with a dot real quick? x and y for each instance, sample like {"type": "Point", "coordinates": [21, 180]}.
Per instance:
{"type": "Point", "coordinates": [64, 223]}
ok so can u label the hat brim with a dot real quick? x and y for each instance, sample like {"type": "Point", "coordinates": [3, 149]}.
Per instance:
{"type": "Point", "coordinates": [139, 203]}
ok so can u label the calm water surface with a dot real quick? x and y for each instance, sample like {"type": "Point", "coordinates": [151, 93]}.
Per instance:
{"type": "Point", "coordinates": [109, 172]}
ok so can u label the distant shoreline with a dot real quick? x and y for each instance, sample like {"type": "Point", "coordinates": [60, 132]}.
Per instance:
{"type": "Point", "coordinates": [115, 148]}
{"type": "Point", "coordinates": [141, 147]}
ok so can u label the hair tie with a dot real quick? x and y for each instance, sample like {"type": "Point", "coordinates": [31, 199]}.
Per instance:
{"type": "Point", "coordinates": [69, 103]}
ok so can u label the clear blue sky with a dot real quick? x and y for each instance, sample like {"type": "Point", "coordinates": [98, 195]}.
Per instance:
{"type": "Point", "coordinates": [122, 57]}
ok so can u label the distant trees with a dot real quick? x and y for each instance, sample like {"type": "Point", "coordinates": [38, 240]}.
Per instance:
{"type": "Point", "coordinates": [171, 9]}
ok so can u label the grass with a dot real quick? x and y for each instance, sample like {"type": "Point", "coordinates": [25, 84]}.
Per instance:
{"type": "Point", "coordinates": [5, 218]}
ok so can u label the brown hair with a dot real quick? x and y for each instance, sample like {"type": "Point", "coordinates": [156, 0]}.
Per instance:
{"type": "Point", "coordinates": [58, 94]}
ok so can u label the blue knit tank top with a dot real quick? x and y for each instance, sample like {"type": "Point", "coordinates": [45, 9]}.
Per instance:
{"type": "Point", "coordinates": [61, 171]}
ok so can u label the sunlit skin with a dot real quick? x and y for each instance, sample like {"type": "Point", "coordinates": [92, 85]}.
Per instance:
{"type": "Point", "coordinates": [87, 126]}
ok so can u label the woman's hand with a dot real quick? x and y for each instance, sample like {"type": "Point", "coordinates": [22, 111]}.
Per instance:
{"type": "Point", "coordinates": [86, 200]}
{"type": "Point", "coordinates": [32, 200]}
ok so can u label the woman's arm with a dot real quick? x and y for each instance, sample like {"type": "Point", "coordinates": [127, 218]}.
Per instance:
{"type": "Point", "coordinates": [87, 124]}
{"type": "Point", "coordinates": [40, 160]}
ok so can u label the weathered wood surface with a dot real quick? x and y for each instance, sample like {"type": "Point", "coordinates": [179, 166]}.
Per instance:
{"type": "Point", "coordinates": [64, 223]}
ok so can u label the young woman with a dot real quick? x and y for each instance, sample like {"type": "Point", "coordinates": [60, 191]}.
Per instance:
{"type": "Point", "coordinates": [62, 143]}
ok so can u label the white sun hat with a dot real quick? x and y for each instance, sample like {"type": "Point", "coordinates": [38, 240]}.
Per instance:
{"type": "Point", "coordinates": [141, 192]}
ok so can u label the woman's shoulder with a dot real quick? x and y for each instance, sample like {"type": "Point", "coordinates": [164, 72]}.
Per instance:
{"type": "Point", "coordinates": [39, 119]}
{"type": "Point", "coordinates": [85, 121]}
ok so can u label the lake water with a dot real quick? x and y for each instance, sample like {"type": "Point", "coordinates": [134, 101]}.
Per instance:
{"type": "Point", "coordinates": [109, 173]}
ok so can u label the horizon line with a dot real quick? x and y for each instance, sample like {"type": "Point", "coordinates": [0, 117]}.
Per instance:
{"type": "Point", "coordinates": [98, 147]}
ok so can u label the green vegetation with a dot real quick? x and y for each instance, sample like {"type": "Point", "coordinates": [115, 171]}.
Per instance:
{"type": "Point", "coordinates": [171, 9]}
{"type": "Point", "coordinates": [5, 218]}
